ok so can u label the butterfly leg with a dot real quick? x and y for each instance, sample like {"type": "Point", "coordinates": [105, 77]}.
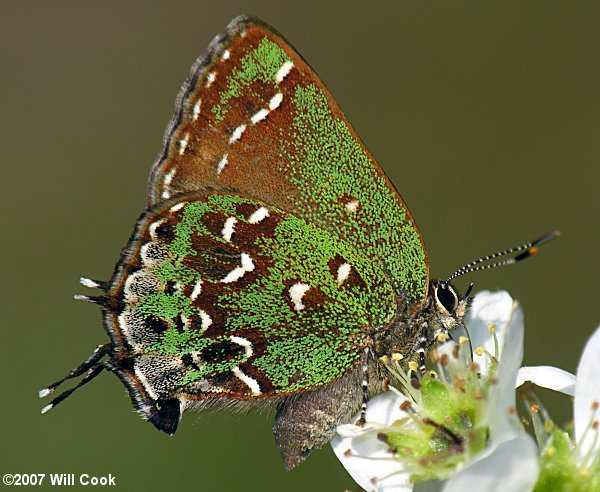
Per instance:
{"type": "Point", "coordinates": [427, 339]}
{"type": "Point", "coordinates": [306, 421]}
{"type": "Point", "coordinates": [365, 389]}
{"type": "Point", "coordinates": [421, 351]}
{"type": "Point", "coordinates": [421, 345]}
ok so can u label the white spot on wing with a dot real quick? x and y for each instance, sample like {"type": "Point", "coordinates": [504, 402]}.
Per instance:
{"type": "Point", "coordinates": [234, 275]}
{"type": "Point", "coordinates": [251, 382]}
{"type": "Point", "coordinates": [260, 214]}
{"type": "Point", "coordinates": [222, 164]}
{"type": "Point", "coordinates": [186, 322]}
{"type": "Point", "coordinates": [228, 228]}
{"type": "Point", "coordinates": [177, 206]}
{"type": "Point", "coordinates": [169, 177]}
{"type": "Point", "coordinates": [237, 134]}
{"type": "Point", "coordinates": [283, 71]}
{"type": "Point", "coordinates": [238, 273]}
{"type": "Point", "coordinates": [196, 291]}
{"type": "Point", "coordinates": [343, 272]}
{"type": "Point", "coordinates": [259, 116]}
{"type": "Point", "coordinates": [225, 55]}
{"type": "Point", "coordinates": [275, 101]}
{"type": "Point", "coordinates": [297, 292]}
{"type": "Point", "coordinates": [247, 263]}
{"type": "Point", "coordinates": [210, 78]}
{"type": "Point", "coordinates": [196, 110]}
{"type": "Point", "coordinates": [167, 182]}
{"type": "Point", "coordinates": [244, 342]}
{"type": "Point", "coordinates": [206, 320]}
{"type": "Point", "coordinates": [352, 206]}
{"type": "Point", "coordinates": [183, 143]}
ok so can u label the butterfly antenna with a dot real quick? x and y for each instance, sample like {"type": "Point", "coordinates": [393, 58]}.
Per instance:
{"type": "Point", "coordinates": [524, 251]}
{"type": "Point", "coordinates": [92, 366]}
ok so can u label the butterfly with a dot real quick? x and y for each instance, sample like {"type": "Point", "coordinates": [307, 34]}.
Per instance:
{"type": "Point", "coordinates": [275, 263]}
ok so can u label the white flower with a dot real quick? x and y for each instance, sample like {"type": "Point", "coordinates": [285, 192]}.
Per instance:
{"type": "Point", "coordinates": [505, 461]}
{"type": "Point", "coordinates": [579, 460]}
{"type": "Point", "coordinates": [587, 398]}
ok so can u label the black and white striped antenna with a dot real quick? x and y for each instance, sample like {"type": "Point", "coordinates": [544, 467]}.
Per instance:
{"type": "Point", "coordinates": [524, 251]}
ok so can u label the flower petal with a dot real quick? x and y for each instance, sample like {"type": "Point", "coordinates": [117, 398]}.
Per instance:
{"type": "Point", "coordinates": [369, 462]}
{"type": "Point", "coordinates": [504, 423]}
{"type": "Point", "coordinates": [587, 392]}
{"type": "Point", "coordinates": [487, 308]}
{"type": "Point", "coordinates": [350, 431]}
{"type": "Point", "coordinates": [511, 465]}
{"type": "Point", "coordinates": [548, 377]}
{"type": "Point", "coordinates": [385, 408]}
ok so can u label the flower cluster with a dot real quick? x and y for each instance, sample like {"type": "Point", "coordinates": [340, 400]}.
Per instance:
{"type": "Point", "coordinates": [457, 427]}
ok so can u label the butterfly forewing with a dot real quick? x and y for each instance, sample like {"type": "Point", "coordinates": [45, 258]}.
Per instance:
{"type": "Point", "coordinates": [255, 120]}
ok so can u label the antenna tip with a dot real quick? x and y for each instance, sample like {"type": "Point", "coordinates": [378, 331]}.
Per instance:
{"type": "Point", "coordinates": [545, 238]}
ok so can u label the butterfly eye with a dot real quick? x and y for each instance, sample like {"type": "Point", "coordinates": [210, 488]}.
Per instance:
{"type": "Point", "coordinates": [446, 296]}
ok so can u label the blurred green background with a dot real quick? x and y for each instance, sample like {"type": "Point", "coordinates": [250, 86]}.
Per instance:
{"type": "Point", "coordinates": [486, 116]}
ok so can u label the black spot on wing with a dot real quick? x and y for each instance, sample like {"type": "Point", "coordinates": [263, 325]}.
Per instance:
{"type": "Point", "coordinates": [221, 351]}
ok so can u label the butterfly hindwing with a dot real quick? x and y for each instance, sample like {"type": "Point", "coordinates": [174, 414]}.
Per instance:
{"type": "Point", "coordinates": [254, 119]}
{"type": "Point", "coordinates": [227, 297]}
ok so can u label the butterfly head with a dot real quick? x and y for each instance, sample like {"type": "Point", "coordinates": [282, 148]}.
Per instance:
{"type": "Point", "coordinates": [448, 304]}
